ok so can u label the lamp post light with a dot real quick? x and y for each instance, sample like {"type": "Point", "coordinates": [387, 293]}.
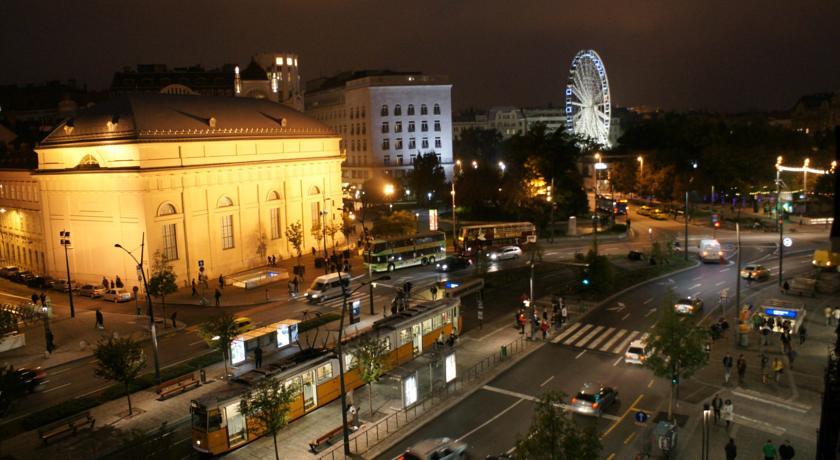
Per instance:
{"type": "Point", "coordinates": [805, 184]}
{"type": "Point", "coordinates": [704, 448]}
{"type": "Point", "coordinates": [65, 241]}
{"type": "Point", "coordinates": [389, 191]}
{"type": "Point", "coordinates": [150, 311]}
{"type": "Point", "coordinates": [502, 166]}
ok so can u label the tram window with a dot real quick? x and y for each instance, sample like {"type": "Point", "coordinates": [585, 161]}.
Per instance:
{"type": "Point", "coordinates": [427, 326]}
{"type": "Point", "coordinates": [436, 321]}
{"type": "Point", "coordinates": [405, 336]}
{"type": "Point", "coordinates": [349, 361]}
{"type": "Point", "coordinates": [446, 319]}
{"type": "Point", "coordinates": [199, 419]}
{"type": "Point", "coordinates": [214, 420]}
{"type": "Point", "coordinates": [386, 343]}
{"type": "Point", "coordinates": [324, 372]}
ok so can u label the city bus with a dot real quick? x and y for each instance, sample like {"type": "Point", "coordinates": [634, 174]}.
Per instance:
{"type": "Point", "coordinates": [219, 427]}
{"type": "Point", "coordinates": [405, 251]}
{"type": "Point", "coordinates": [497, 234]}
{"type": "Point", "coordinates": [609, 205]}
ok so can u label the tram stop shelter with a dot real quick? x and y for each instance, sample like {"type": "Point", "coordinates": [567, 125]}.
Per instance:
{"type": "Point", "coordinates": [270, 338]}
{"type": "Point", "coordinates": [419, 378]}
{"type": "Point", "coordinates": [783, 310]}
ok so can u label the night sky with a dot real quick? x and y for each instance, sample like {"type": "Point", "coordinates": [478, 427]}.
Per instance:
{"type": "Point", "coordinates": [674, 54]}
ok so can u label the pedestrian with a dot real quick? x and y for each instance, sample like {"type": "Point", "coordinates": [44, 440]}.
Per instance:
{"type": "Point", "coordinates": [291, 286]}
{"type": "Point", "coordinates": [836, 315]}
{"type": "Point", "coordinates": [564, 315]}
{"type": "Point", "coordinates": [742, 368]}
{"type": "Point", "coordinates": [43, 298]}
{"type": "Point", "coordinates": [769, 450]}
{"type": "Point", "coordinates": [194, 290]}
{"type": "Point", "coordinates": [221, 281]}
{"type": "Point", "coordinates": [296, 283]}
{"type": "Point", "coordinates": [433, 291]}
{"type": "Point", "coordinates": [731, 450]}
{"type": "Point", "coordinates": [268, 261]}
{"type": "Point", "coordinates": [778, 368]}
{"type": "Point", "coordinates": [786, 287]}
{"type": "Point", "coordinates": [544, 328]}
{"type": "Point", "coordinates": [100, 320]}
{"type": "Point", "coordinates": [34, 299]}
{"type": "Point", "coordinates": [827, 312]}
{"type": "Point", "coordinates": [727, 367]}
{"type": "Point", "coordinates": [764, 362]}
{"type": "Point", "coordinates": [105, 282]}
{"type": "Point", "coordinates": [172, 317]}
{"type": "Point", "coordinates": [119, 282]}
{"type": "Point", "coordinates": [50, 341]}
{"type": "Point", "coordinates": [785, 339]}
{"type": "Point", "coordinates": [791, 354]}
{"type": "Point", "coordinates": [314, 252]}
{"type": "Point", "coordinates": [352, 413]}
{"type": "Point", "coordinates": [803, 334]}
{"type": "Point", "coordinates": [257, 357]}
{"type": "Point", "coordinates": [786, 451]}
{"type": "Point", "coordinates": [728, 412]}
{"type": "Point", "coordinates": [522, 321]}
{"type": "Point", "coordinates": [756, 322]}
{"type": "Point", "coordinates": [112, 284]}
{"type": "Point", "coordinates": [765, 335]}
{"type": "Point", "coordinates": [218, 295]}
{"type": "Point", "coordinates": [717, 404]}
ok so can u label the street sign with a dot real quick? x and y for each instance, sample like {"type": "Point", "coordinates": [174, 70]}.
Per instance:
{"type": "Point", "coordinates": [139, 273]}
{"type": "Point", "coordinates": [788, 242]}
{"type": "Point", "coordinates": [641, 417]}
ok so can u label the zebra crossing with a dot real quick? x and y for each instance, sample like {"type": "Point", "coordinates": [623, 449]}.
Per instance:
{"type": "Point", "coordinates": [335, 302]}
{"type": "Point", "coordinates": [598, 338]}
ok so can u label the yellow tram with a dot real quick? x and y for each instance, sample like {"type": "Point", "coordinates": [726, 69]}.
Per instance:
{"type": "Point", "coordinates": [218, 426]}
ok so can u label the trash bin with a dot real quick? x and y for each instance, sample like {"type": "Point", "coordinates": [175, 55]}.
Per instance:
{"type": "Point", "coordinates": [202, 376]}
{"type": "Point", "coordinates": [744, 339]}
{"type": "Point", "coordinates": [504, 352]}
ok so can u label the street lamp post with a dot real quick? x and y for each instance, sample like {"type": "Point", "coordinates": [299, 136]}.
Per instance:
{"type": "Point", "coordinates": [780, 215]}
{"type": "Point", "coordinates": [704, 448]}
{"type": "Point", "coordinates": [454, 214]}
{"type": "Point", "coordinates": [65, 241]}
{"type": "Point", "coordinates": [150, 311]}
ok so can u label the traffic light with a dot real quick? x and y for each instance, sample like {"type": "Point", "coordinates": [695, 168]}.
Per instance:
{"type": "Point", "coordinates": [675, 379]}
{"type": "Point", "coordinates": [585, 278]}
{"type": "Point", "coordinates": [717, 224]}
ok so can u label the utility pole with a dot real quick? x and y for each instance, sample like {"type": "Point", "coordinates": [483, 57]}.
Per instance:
{"type": "Point", "coordinates": [65, 241]}
{"type": "Point", "coordinates": [685, 216]}
{"type": "Point", "coordinates": [780, 217]}
{"type": "Point", "coordinates": [595, 233]}
{"type": "Point", "coordinates": [737, 280]}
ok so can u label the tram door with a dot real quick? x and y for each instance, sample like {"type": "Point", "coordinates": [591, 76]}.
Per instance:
{"type": "Point", "coordinates": [235, 425]}
{"type": "Point", "coordinates": [310, 390]}
{"type": "Point", "coordinates": [417, 339]}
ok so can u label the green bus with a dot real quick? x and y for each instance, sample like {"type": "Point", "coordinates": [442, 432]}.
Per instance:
{"type": "Point", "coordinates": [405, 251]}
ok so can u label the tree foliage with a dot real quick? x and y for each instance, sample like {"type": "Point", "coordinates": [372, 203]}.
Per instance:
{"type": "Point", "coordinates": [119, 359]}
{"type": "Point", "coordinates": [294, 234]}
{"type": "Point", "coordinates": [395, 224]}
{"type": "Point", "coordinates": [370, 353]}
{"type": "Point", "coordinates": [218, 332]}
{"type": "Point", "coordinates": [601, 272]}
{"type": "Point", "coordinates": [554, 435]}
{"type": "Point", "coordinates": [427, 176]}
{"type": "Point", "coordinates": [163, 280]}
{"type": "Point", "coordinates": [268, 403]}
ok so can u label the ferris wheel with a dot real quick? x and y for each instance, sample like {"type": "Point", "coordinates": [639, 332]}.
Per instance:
{"type": "Point", "coordinates": [588, 98]}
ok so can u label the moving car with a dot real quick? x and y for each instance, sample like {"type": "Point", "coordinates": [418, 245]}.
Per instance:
{"type": "Point", "coordinates": [435, 449]}
{"type": "Point", "coordinates": [644, 210]}
{"type": "Point", "coordinates": [755, 272]}
{"type": "Point", "coordinates": [658, 214]}
{"type": "Point", "coordinates": [637, 352]}
{"type": "Point", "coordinates": [452, 263]}
{"type": "Point", "coordinates": [689, 305]}
{"type": "Point", "coordinates": [91, 291]}
{"type": "Point", "coordinates": [505, 253]}
{"type": "Point", "coordinates": [30, 379]}
{"type": "Point", "coordinates": [327, 286]}
{"type": "Point", "coordinates": [244, 324]}
{"type": "Point", "coordinates": [593, 399]}
{"type": "Point", "coordinates": [710, 251]}
{"type": "Point", "coordinates": [117, 295]}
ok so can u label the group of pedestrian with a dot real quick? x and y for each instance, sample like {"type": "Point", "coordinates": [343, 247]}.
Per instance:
{"type": "Point", "coordinates": [785, 450]}
{"type": "Point", "coordinates": [832, 316]}
{"type": "Point", "coordinates": [272, 260]}
{"type": "Point", "coordinates": [39, 299]}
{"type": "Point", "coordinates": [723, 410]}
{"type": "Point", "coordinates": [294, 286]}
{"type": "Point", "coordinates": [115, 283]}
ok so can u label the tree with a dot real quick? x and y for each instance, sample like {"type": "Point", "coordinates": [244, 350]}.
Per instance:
{"type": "Point", "coordinates": [601, 272]}
{"type": "Point", "coordinates": [370, 353]}
{"type": "Point", "coordinates": [268, 402]}
{"type": "Point", "coordinates": [427, 176]}
{"type": "Point", "coordinates": [554, 435]}
{"type": "Point", "coordinates": [332, 229]}
{"type": "Point", "coordinates": [219, 332]}
{"type": "Point", "coordinates": [678, 347]}
{"type": "Point", "coordinates": [294, 234]}
{"type": "Point", "coordinates": [163, 281]}
{"type": "Point", "coordinates": [119, 359]}
{"type": "Point", "coordinates": [395, 224]}
{"type": "Point", "coordinates": [317, 233]}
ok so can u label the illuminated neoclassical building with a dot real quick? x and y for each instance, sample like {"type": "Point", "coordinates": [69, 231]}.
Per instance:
{"type": "Point", "coordinates": [212, 179]}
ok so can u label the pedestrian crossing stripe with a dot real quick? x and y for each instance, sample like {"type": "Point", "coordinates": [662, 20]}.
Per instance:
{"type": "Point", "coordinates": [601, 338]}
{"type": "Point", "coordinates": [336, 301]}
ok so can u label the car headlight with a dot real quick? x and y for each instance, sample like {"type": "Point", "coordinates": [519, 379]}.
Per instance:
{"type": "Point", "coordinates": [445, 266]}
{"type": "Point", "coordinates": [494, 257]}
{"type": "Point", "coordinates": [705, 253]}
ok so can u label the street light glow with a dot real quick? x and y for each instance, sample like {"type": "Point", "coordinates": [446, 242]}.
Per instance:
{"type": "Point", "coordinates": [475, 164]}
{"type": "Point", "coordinates": [502, 166]}
{"type": "Point", "coordinates": [389, 189]}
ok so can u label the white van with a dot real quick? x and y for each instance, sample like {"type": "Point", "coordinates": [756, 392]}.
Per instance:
{"type": "Point", "coordinates": [637, 352]}
{"type": "Point", "coordinates": [327, 286]}
{"type": "Point", "coordinates": [710, 251]}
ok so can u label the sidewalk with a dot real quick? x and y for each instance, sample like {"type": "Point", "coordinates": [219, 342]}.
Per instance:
{"type": "Point", "coordinates": [788, 410]}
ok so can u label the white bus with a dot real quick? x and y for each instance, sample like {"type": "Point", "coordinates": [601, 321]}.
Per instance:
{"type": "Point", "coordinates": [405, 251]}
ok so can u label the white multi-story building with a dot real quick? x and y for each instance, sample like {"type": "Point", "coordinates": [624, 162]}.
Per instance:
{"type": "Point", "coordinates": [385, 119]}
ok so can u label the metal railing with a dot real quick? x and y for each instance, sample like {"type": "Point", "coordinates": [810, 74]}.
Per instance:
{"type": "Point", "coordinates": [370, 435]}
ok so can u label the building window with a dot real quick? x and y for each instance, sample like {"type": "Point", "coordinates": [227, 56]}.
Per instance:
{"type": "Point", "coordinates": [363, 112]}
{"type": "Point", "coordinates": [400, 160]}
{"type": "Point", "coordinates": [412, 144]}
{"type": "Point", "coordinates": [411, 109]}
{"type": "Point", "coordinates": [353, 145]}
{"type": "Point", "coordinates": [227, 231]}
{"type": "Point", "coordinates": [436, 109]}
{"type": "Point", "coordinates": [397, 110]}
{"type": "Point", "coordinates": [385, 127]}
{"type": "Point", "coordinates": [438, 157]}
{"type": "Point", "coordinates": [425, 143]}
{"type": "Point", "coordinates": [386, 160]}
{"type": "Point", "coordinates": [397, 126]}
{"type": "Point", "coordinates": [437, 125]}
{"type": "Point", "coordinates": [424, 110]}
{"type": "Point", "coordinates": [438, 144]}
{"type": "Point", "coordinates": [399, 144]}
{"type": "Point", "coordinates": [384, 111]}
{"type": "Point", "coordinates": [424, 126]}
{"type": "Point", "coordinates": [411, 126]}
{"type": "Point", "coordinates": [170, 242]}
{"type": "Point", "coordinates": [386, 144]}
{"type": "Point", "coordinates": [413, 156]}
{"type": "Point", "coordinates": [364, 128]}
{"type": "Point", "coordinates": [274, 217]}
{"type": "Point", "coordinates": [364, 145]}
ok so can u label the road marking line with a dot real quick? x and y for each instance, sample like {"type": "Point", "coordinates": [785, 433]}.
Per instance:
{"type": "Point", "coordinates": [546, 381]}
{"type": "Point", "coordinates": [52, 374]}
{"type": "Point", "coordinates": [650, 312]}
{"type": "Point", "coordinates": [56, 388]}
{"type": "Point", "coordinates": [535, 399]}
{"type": "Point", "coordinates": [618, 360]}
{"type": "Point", "coordinates": [620, 348]}
{"type": "Point", "coordinates": [647, 301]}
{"type": "Point", "coordinates": [697, 294]}
{"type": "Point", "coordinates": [613, 340]}
{"type": "Point", "coordinates": [697, 278]}
{"type": "Point", "coordinates": [580, 354]}
{"type": "Point", "coordinates": [720, 283]}
{"type": "Point", "coordinates": [801, 409]}
{"type": "Point", "coordinates": [600, 338]}
{"type": "Point", "coordinates": [650, 384]}
{"type": "Point", "coordinates": [589, 336]}
{"type": "Point", "coordinates": [758, 424]}
{"type": "Point", "coordinates": [577, 334]}
{"type": "Point", "coordinates": [725, 269]}
{"type": "Point", "coordinates": [625, 316]}
{"type": "Point", "coordinates": [196, 343]}
{"type": "Point", "coordinates": [568, 331]}
{"type": "Point", "coordinates": [611, 456]}
{"type": "Point", "coordinates": [615, 424]}
{"type": "Point", "coordinates": [629, 438]}
{"type": "Point", "coordinates": [490, 420]}
{"type": "Point", "coordinates": [696, 286]}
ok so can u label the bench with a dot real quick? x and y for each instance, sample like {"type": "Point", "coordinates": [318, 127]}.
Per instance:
{"type": "Point", "coordinates": [67, 425]}
{"type": "Point", "coordinates": [179, 385]}
{"type": "Point", "coordinates": [326, 439]}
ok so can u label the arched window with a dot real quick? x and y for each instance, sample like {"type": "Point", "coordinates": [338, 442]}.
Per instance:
{"type": "Point", "coordinates": [436, 109]}
{"type": "Point", "coordinates": [273, 196]}
{"type": "Point", "coordinates": [424, 110]}
{"type": "Point", "coordinates": [224, 202]}
{"type": "Point", "coordinates": [384, 111]}
{"type": "Point", "coordinates": [166, 209]}
{"type": "Point", "coordinates": [88, 162]}
{"type": "Point", "coordinates": [410, 109]}
{"type": "Point", "coordinates": [397, 110]}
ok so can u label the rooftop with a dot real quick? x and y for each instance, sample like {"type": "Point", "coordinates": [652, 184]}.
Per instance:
{"type": "Point", "coordinates": [340, 79]}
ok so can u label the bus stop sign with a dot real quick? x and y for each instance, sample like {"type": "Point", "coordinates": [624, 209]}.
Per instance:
{"type": "Point", "coordinates": [641, 417]}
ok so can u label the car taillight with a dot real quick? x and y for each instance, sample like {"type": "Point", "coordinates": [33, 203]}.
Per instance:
{"type": "Point", "coordinates": [641, 357]}
{"type": "Point", "coordinates": [574, 400]}
{"type": "Point", "coordinates": [594, 405]}
{"type": "Point", "coordinates": [720, 253]}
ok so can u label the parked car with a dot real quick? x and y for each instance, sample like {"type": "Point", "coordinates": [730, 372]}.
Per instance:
{"type": "Point", "coordinates": [593, 399]}
{"type": "Point", "coordinates": [644, 210]}
{"type": "Point", "coordinates": [8, 271]}
{"type": "Point", "coordinates": [658, 214]}
{"type": "Point", "coordinates": [755, 272]}
{"type": "Point", "coordinates": [117, 295]}
{"type": "Point", "coordinates": [505, 253]}
{"type": "Point", "coordinates": [61, 285]}
{"type": "Point", "coordinates": [689, 305]}
{"type": "Point", "coordinates": [435, 449]}
{"type": "Point", "coordinates": [91, 291]}
{"type": "Point", "coordinates": [452, 263]}
{"type": "Point", "coordinates": [40, 282]}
